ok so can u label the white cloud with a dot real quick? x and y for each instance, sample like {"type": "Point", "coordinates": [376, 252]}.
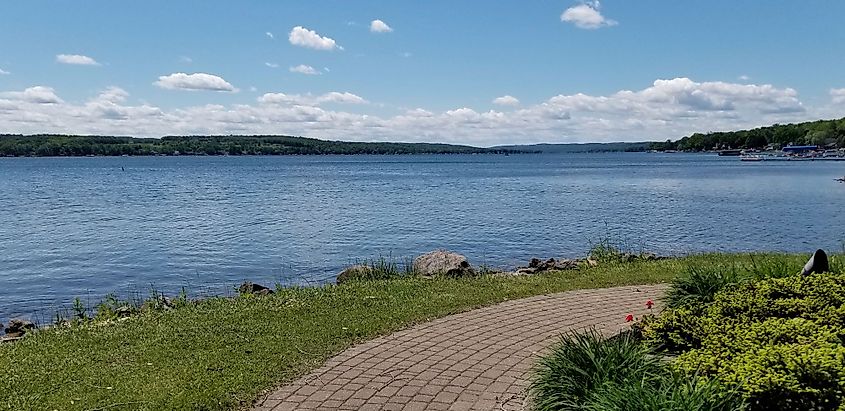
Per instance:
{"type": "Point", "coordinates": [76, 59]}
{"type": "Point", "coordinates": [270, 35]}
{"type": "Point", "coordinates": [304, 69]}
{"type": "Point", "coordinates": [586, 16]}
{"type": "Point", "coordinates": [378, 26]}
{"type": "Point", "coordinates": [194, 81]}
{"type": "Point", "coordinates": [506, 101]}
{"type": "Point", "coordinates": [300, 36]}
{"type": "Point", "coordinates": [271, 65]}
{"type": "Point", "coordinates": [310, 100]}
{"type": "Point", "coordinates": [744, 78]}
{"type": "Point", "coordinates": [34, 95]}
{"type": "Point", "coordinates": [186, 60]}
{"type": "Point", "coordinates": [4, 72]}
{"type": "Point", "coordinates": [406, 54]}
{"type": "Point", "coordinates": [667, 108]}
{"type": "Point", "coordinates": [837, 95]}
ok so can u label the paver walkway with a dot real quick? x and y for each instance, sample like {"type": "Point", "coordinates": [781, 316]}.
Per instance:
{"type": "Point", "coordinates": [477, 360]}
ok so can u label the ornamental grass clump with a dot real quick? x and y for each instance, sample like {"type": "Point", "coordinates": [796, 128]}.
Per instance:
{"type": "Point", "coordinates": [586, 371]}
{"type": "Point", "coordinates": [581, 364]}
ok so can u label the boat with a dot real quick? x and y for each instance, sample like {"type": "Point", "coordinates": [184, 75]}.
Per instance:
{"type": "Point", "coordinates": [748, 157]}
{"type": "Point", "coordinates": [732, 153]}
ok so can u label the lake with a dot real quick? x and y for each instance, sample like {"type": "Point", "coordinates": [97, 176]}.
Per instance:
{"type": "Point", "coordinates": [85, 227]}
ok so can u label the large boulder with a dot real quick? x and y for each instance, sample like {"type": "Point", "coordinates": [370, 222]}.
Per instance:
{"type": "Point", "coordinates": [17, 328]}
{"type": "Point", "coordinates": [354, 272]}
{"type": "Point", "coordinates": [257, 289]}
{"type": "Point", "coordinates": [442, 262]}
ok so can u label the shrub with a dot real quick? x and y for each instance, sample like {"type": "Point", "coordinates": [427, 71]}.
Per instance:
{"type": "Point", "coordinates": [581, 364]}
{"type": "Point", "coordinates": [781, 340]}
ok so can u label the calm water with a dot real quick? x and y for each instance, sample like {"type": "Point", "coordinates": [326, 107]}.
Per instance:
{"type": "Point", "coordinates": [84, 227]}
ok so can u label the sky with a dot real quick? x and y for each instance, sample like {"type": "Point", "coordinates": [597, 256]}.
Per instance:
{"type": "Point", "coordinates": [469, 72]}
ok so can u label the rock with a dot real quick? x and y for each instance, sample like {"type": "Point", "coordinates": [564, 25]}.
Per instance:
{"type": "Point", "coordinates": [123, 311]}
{"type": "Point", "coordinates": [157, 303]}
{"type": "Point", "coordinates": [525, 271]}
{"type": "Point", "coordinates": [354, 272]}
{"type": "Point", "coordinates": [442, 262]}
{"type": "Point", "coordinates": [817, 264]}
{"type": "Point", "coordinates": [17, 328]}
{"type": "Point", "coordinates": [257, 289]}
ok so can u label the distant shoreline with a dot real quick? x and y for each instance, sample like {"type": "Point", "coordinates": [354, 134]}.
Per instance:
{"type": "Point", "coordinates": [49, 145]}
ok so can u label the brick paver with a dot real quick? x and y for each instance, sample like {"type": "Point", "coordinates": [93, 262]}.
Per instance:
{"type": "Point", "coordinates": [477, 360]}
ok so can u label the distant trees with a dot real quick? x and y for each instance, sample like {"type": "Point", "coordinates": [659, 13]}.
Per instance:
{"type": "Point", "coordinates": [821, 133]}
{"type": "Point", "coordinates": [67, 145]}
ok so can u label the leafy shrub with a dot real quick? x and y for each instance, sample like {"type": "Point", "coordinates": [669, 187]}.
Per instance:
{"type": "Point", "coordinates": [781, 340]}
{"type": "Point", "coordinates": [581, 364]}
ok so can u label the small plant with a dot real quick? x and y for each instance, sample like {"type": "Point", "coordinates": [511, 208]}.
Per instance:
{"type": "Point", "coordinates": [182, 300]}
{"type": "Point", "coordinates": [79, 311]}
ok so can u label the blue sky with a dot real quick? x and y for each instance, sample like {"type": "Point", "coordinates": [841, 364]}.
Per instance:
{"type": "Point", "coordinates": [468, 72]}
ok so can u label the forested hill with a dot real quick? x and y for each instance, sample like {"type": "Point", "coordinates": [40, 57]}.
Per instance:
{"type": "Point", "coordinates": [821, 133]}
{"type": "Point", "coordinates": [579, 147]}
{"type": "Point", "coordinates": [65, 145]}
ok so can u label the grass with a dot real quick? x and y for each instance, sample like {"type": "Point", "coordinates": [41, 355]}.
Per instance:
{"type": "Point", "coordinates": [223, 353]}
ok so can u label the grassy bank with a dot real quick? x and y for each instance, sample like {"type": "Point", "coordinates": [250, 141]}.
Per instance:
{"type": "Point", "coordinates": [222, 353]}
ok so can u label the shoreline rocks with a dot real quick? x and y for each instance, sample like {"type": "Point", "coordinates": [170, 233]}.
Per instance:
{"type": "Point", "coordinates": [443, 262]}
{"type": "Point", "coordinates": [354, 272]}
{"type": "Point", "coordinates": [18, 328]}
{"type": "Point", "coordinates": [250, 288]}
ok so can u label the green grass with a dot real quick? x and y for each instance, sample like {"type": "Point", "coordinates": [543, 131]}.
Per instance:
{"type": "Point", "coordinates": [223, 353]}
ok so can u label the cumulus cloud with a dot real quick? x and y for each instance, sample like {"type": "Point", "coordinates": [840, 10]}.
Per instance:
{"type": "Point", "coordinates": [304, 69]}
{"type": "Point", "coordinates": [302, 37]}
{"type": "Point", "coordinates": [667, 108]}
{"type": "Point", "coordinates": [586, 16]}
{"type": "Point", "coordinates": [194, 81]}
{"type": "Point", "coordinates": [35, 95]}
{"type": "Point", "coordinates": [378, 26]}
{"type": "Point", "coordinates": [506, 101]}
{"type": "Point", "coordinates": [4, 72]}
{"type": "Point", "coordinates": [76, 59]}
{"type": "Point", "coordinates": [271, 65]}
{"type": "Point", "coordinates": [270, 35]}
{"type": "Point", "coordinates": [837, 95]}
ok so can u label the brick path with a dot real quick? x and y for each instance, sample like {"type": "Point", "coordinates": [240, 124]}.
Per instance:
{"type": "Point", "coordinates": [477, 360]}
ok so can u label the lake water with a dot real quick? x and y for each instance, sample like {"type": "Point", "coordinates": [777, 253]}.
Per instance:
{"type": "Point", "coordinates": [89, 226]}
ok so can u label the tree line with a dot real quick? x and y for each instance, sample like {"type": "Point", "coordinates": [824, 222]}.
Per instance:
{"type": "Point", "coordinates": [44, 145]}
{"type": "Point", "coordinates": [823, 133]}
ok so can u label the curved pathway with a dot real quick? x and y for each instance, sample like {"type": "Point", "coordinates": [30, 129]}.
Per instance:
{"type": "Point", "coordinates": [477, 360]}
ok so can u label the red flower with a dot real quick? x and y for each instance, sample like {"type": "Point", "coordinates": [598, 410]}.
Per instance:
{"type": "Point", "coordinates": [649, 304]}
{"type": "Point", "coordinates": [629, 318]}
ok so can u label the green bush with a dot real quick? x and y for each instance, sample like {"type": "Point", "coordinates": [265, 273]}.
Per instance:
{"type": "Point", "coordinates": [582, 363]}
{"type": "Point", "coordinates": [781, 340]}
